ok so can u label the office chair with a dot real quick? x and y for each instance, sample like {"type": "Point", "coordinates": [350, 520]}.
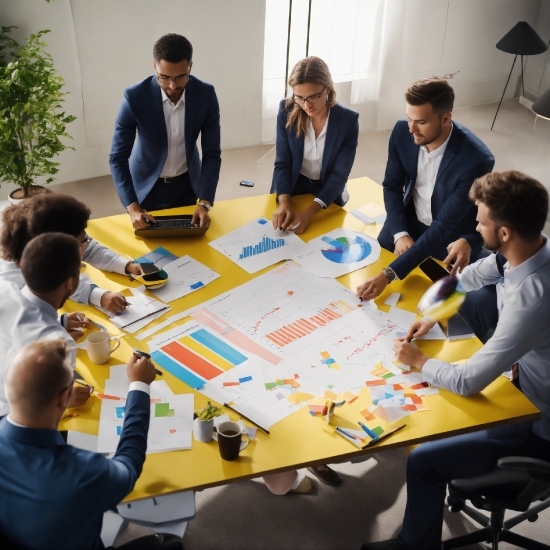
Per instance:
{"type": "Point", "coordinates": [515, 484]}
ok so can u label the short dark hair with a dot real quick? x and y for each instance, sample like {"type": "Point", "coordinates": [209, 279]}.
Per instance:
{"type": "Point", "coordinates": [41, 214]}
{"type": "Point", "coordinates": [173, 48]}
{"type": "Point", "coordinates": [433, 90]}
{"type": "Point", "coordinates": [49, 260]}
{"type": "Point", "coordinates": [513, 199]}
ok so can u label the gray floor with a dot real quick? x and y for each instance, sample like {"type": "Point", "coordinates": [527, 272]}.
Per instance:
{"type": "Point", "coordinates": [370, 504]}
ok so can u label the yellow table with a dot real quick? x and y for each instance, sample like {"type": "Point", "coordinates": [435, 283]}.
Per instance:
{"type": "Point", "coordinates": [300, 439]}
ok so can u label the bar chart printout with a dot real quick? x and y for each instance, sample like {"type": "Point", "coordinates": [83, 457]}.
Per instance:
{"type": "Point", "coordinates": [264, 245]}
{"type": "Point", "coordinates": [257, 245]}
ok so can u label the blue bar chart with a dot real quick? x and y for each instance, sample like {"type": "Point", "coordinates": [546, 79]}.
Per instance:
{"type": "Point", "coordinates": [264, 245]}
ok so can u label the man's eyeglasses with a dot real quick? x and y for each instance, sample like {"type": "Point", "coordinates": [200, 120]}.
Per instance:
{"type": "Point", "coordinates": [312, 99]}
{"type": "Point", "coordinates": [87, 240]}
{"type": "Point", "coordinates": [181, 79]}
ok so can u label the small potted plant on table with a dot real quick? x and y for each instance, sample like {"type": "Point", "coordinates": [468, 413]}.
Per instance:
{"type": "Point", "coordinates": [203, 425]}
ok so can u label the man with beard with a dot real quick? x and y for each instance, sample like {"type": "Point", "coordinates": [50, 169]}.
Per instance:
{"type": "Point", "coordinates": [432, 164]}
{"type": "Point", "coordinates": [162, 168]}
{"type": "Point", "coordinates": [512, 210]}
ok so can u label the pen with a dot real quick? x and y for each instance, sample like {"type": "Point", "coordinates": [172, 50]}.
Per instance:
{"type": "Point", "coordinates": [85, 384]}
{"type": "Point", "coordinates": [368, 431]}
{"type": "Point", "coordinates": [246, 418]}
{"type": "Point", "coordinates": [348, 434]}
{"type": "Point", "coordinates": [139, 353]}
{"type": "Point", "coordinates": [126, 302]}
{"type": "Point", "coordinates": [380, 437]}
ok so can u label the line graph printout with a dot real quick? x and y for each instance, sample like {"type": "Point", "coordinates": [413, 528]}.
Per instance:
{"type": "Point", "coordinates": [339, 252]}
{"type": "Point", "coordinates": [283, 310]}
{"type": "Point", "coordinates": [256, 245]}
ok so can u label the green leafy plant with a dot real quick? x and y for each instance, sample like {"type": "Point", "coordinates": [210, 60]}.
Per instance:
{"type": "Point", "coordinates": [209, 412]}
{"type": "Point", "coordinates": [31, 119]}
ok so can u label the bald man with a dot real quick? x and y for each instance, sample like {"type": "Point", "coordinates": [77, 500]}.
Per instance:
{"type": "Point", "coordinates": [50, 264]}
{"type": "Point", "coordinates": [53, 495]}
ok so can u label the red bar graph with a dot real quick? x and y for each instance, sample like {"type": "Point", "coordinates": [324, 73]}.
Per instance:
{"type": "Point", "coordinates": [192, 361]}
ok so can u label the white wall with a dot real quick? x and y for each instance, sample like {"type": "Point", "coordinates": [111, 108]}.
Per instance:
{"type": "Point", "coordinates": [537, 69]}
{"type": "Point", "coordinates": [443, 36]}
{"type": "Point", "coordinates": [102, 46]}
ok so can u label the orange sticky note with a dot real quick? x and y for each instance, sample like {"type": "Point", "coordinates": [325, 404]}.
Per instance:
{"type": "Point", "coordinates": [349, 397]}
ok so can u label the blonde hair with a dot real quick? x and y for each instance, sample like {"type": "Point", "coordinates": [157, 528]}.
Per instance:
{"type": "Point", "coordinates": [310, 70]}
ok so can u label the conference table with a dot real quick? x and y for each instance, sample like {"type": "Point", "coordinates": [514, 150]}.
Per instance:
{"type": "Point", "coordinates": [299, 440]}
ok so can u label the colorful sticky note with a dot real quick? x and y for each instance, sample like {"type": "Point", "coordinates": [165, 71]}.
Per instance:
{"type": "Point", "coordinates": [120, 412]}
{"type": "Point", "coordinates": [329, 394]}
{"type": "Point", "coordinates": [367, 414]}
{"type": "Point", "coordinates": [163, 409]}
{"type": "Point", "coordinates": [118, 430]}
{"type": "Point", "coordinates": [245, 379]}
{"type": "Point", "coordinates": [349, 397]}
{"type": "Point", "coordinates": [370, 383]}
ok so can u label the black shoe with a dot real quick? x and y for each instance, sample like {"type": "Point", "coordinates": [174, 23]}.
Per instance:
{"type": "Point", "coordinates": [392, 544]}
{"type": "Point", "coordinates": [326, 475]}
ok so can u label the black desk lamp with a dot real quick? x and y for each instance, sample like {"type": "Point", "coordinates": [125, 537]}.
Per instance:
{"type": "Point", "coordinates": [521, 40]}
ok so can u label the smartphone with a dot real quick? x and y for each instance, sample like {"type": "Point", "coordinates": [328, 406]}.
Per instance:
{"type": "Point", "coordinates": [246, 183]}
{"type": "Point", "coordinates": [433, 269]}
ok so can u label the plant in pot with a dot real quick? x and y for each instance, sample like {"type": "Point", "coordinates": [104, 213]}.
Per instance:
{"type": "Point", "coordinates": [31, 119]}
{"type": "Point", "coordinates": [203, 424]}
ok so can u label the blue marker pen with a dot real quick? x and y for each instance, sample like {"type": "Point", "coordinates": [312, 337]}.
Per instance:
{"type": "Point", "coordinates": [368, 431]}
{"type": "Point", "coordinates": [347, 434]}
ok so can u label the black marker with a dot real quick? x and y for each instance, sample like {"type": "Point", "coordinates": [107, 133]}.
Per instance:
{"type": "Point", "coordinates": [140, 354]}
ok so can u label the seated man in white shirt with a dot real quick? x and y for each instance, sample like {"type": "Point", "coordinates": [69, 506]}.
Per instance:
{"type": "Point", "coordinates": [56, 212]}
{"type": "Point", "coordinates": [512, 210]}
{"type": "Point", "coordinates": [51, 268]}
{"type": "Point", "coordinates": [432, 163]}
{"type": "Point", "coordinates": [53, 495]}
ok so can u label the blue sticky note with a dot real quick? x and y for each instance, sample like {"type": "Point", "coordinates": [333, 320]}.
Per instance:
{"type": "Point", "coordinates": [262, 221]}
{"type": "Point", "coordinates": [245, 379]}
{"type": "Point", "coordinates": [120, 412]}
{"type": "Point", "coordinates": [118, 430]}
{"type": "Point", "coordinates": [197, 285]}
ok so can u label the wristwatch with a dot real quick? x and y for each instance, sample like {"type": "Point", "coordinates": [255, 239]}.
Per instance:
{"type": "Point", "coordinates": [390, 274]}
{"type": "Point", "coordinates": [206, 204]}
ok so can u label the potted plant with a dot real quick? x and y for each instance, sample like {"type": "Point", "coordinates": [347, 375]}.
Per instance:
{"type": "Point", "coordinates": [31, 120]}
{"type": "Point", "coordinates": [203, 424]}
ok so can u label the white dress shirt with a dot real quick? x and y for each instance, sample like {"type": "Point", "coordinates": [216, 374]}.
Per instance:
{"type": "Point", "coordinates": [426, 175]}
{"type": "Point", "coordinates": [522, 334]}
{"type": "Point", "coordinates": [174, 117]}
{"type": "Point", "coordinates": [25, 318]}
{"type": "Point", "coordinates": [96, 255]}
{"type": "Point", "coordinates": [313, 151]}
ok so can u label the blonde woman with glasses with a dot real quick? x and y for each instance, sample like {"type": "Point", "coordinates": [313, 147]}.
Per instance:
{"type": "Point", "coordinates": [316, 144]}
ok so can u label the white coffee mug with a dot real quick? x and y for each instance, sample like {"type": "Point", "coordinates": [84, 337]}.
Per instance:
{"type": "Point", "coordinates": [98, 346]}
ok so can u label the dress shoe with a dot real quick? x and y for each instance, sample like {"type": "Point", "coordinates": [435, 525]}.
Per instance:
{"type": "Point", "coordinates": [305, 486]}
{"type": "Point", "coordinates": [326, 475]}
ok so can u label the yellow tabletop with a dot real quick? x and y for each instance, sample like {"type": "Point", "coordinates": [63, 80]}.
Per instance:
{"type": "Point", "coordinates": [300, 439]}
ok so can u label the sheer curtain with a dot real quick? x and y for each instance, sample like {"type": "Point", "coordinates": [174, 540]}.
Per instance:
{"type": "Point", "coordinates": [347, 34]}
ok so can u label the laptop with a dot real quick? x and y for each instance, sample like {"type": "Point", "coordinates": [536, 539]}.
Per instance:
{"type": "Point", "coordinates": [457, 327]}
{"type": "Point", "coordinates": [178, 225]}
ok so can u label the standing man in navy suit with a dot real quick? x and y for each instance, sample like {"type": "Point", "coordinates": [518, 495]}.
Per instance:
{"type": "Point", "coordinates": [162, 167]}
{"type": "Point", "coordinates": [432, 164]}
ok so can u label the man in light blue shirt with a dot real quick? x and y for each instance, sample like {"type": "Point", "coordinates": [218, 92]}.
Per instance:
{"type": "Point", "coordinates": [512, 210]}
{"type": "Point", "coordinates": [50, 266]}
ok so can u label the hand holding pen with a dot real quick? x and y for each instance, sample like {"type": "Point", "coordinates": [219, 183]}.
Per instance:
{"type": "Point", "coordinates": [114, 302]}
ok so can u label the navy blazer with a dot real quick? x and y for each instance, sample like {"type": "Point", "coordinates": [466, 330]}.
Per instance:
{"type": "Point", "coordinates": [338, 154]}
{"type": "Point", "coordinates": [53, 495]}
{"type": "Point", "coordinates": [454, 214]}
{"type": "Point", "coordinates": [136, 164]}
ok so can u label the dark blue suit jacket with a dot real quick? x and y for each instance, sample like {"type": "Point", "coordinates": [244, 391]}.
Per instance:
{"type": "Point", "coordinates": [338, 154]}
{"type": "Point", "coordinates": [454, 214]}
{"type": "Point", "coordinates": [53, 495]}
{"type": "Point", "coordinates": [136, 164]}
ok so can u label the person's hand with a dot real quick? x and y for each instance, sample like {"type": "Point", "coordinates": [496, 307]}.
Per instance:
{"type": "Point", "coordinates": [140, 370]}
{"type": "Point", "coordinates": [418, 328]}
{"type": "Point", "coordinates": [372, 287]}
{"type": "Point", "coordinates": [301, 220]}
{"type": "Point", "coordinates": [403, 244]}
{"type": "Point", "coordinates": [458, 251]}
{"type": "Point", "coordinates": [79, 396]}
{"type": "Point", "coordinates": [139, 216]}
{"type": "Point", "coordinates": [75, 334]}
{"type": "Point", "coordinates": [114, 302]}
{"type": "Point", "coordinates": [408, 354]}
{"type": "Point", "coordinates": [283, 215]}
{"type": "Point", "coordinates": [200, 217]}
{"type": "Point", "coordinates": [76, 320]}
{"type": "Point", "coordinates": [133, 268]}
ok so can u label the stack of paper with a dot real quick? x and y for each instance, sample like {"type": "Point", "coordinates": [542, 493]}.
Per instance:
{"type": "Point", "coordinates": [171, 421]}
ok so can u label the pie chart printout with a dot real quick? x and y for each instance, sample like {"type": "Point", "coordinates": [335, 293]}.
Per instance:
{"type": "Point", "coordinates": [345, 250]}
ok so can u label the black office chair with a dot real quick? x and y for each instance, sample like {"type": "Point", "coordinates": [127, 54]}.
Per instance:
{"type": "Point", "coordinates": [515, 484]}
